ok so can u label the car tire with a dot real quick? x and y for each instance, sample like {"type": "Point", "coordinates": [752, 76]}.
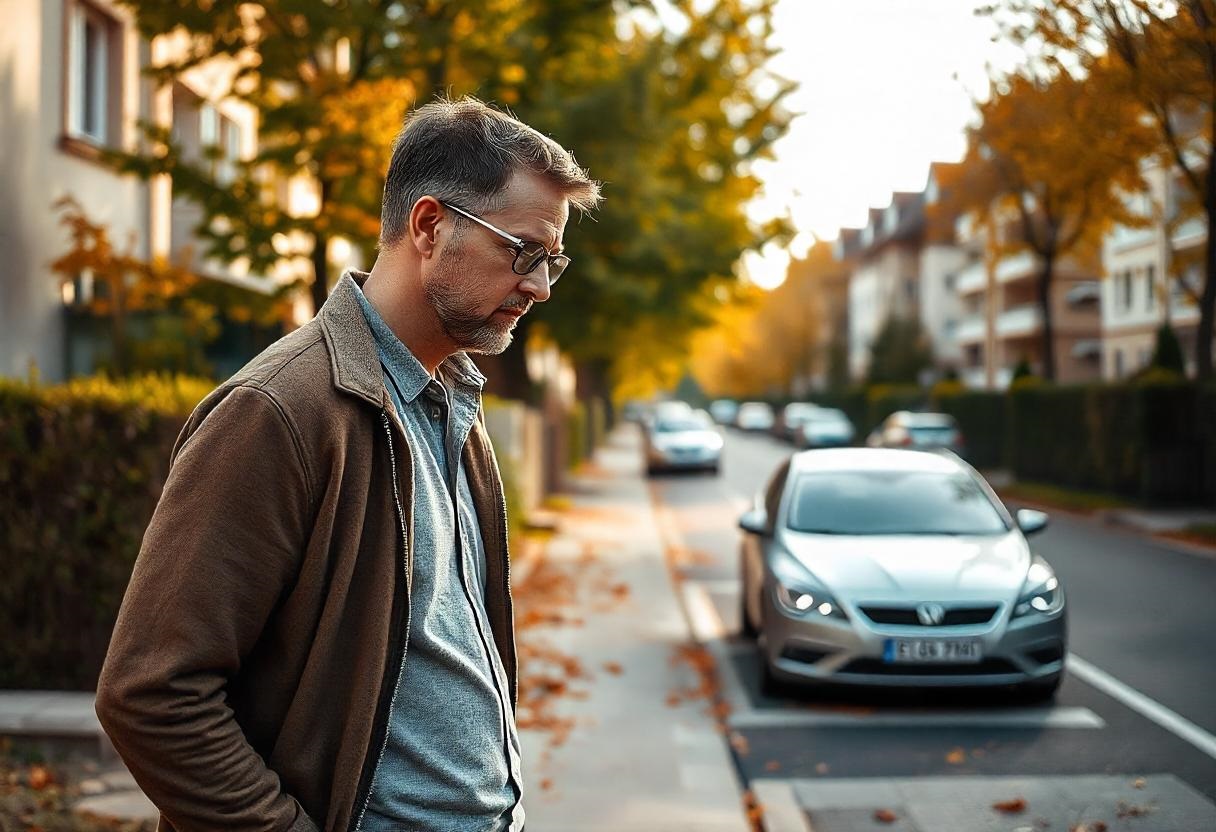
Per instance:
{"type": "Point", "coordinates": [713, 470]}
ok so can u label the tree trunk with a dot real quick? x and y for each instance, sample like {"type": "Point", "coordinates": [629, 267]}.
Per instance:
{"type": "Point", "coordinates": [320, 271]}
{"type": "Point", "coordinates": [1049, 345]}
{"type": "Point", "coordinates": [507, 374]}
{"type": "Point", "coordinates": [1207, 299]}
{"type": "Point", "coordinates": [320, 251]}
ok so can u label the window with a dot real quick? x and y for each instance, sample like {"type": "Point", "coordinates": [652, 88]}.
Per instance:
{"type": "Point", "coordinates": [950, 281]}
{"type": "Point", "coordinates": [1118, 363]}
{"type": "Point", "coordinates": [1125, 290]}
{"type": "Point", "coordinates": [93, 64]}
{"type": "Point", "coordinates": [1150, 287]}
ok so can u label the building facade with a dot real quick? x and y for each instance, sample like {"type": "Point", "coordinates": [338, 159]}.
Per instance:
{"type": "Point", "coordinates": [1148, 271]}
{"type": "Point", "coordinates": [71, 85]}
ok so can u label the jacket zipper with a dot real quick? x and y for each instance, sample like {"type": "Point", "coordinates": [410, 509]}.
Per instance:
{"type": "Point", "coordinates": [405, 545]}
{"type": "Point", "coordinates": [506, 578]}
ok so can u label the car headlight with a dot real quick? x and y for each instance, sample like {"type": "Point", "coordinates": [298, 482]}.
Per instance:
{"type": "Point", "coordinates": [798, 594]}
{"type": "Point", "coordinates": [1041, 591]}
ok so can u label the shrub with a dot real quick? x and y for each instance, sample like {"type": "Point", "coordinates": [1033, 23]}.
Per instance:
{"type": "Point", "coordinates": [81, 467]}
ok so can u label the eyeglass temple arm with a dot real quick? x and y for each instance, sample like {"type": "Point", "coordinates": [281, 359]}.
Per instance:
{"type": "Point", "coordinates": [485, 224]}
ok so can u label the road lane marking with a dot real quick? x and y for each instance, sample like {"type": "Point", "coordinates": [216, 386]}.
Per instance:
{"type": "Point", "coordinates": [1176, 724]}
{"type": "Point", "coordinates": [706, 623]}
{"type": "Point", "coordinates": [1060, 717]}
{"type": "Point", "coordinates": [721, 586]}
{"type": "Point", "coordinates": [781, 810]}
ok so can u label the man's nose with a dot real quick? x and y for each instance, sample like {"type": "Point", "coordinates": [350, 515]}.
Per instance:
{"type": "Point", "coordinates": [536, 283]}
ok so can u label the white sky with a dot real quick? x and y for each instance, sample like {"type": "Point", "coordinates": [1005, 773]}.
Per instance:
{"type": "Point", "coordinates": [885, 88]}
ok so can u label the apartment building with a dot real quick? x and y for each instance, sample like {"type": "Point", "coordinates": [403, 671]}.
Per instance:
{"type": "Point", "coordinates": [884, 280]}
{"type": "Point", "coordinates": [1002, 323]}
{"type": "Point", "coordinates": [71, 85]}
{"type": "Point", "coordinates": [1147, 270]}
{"type": "Point", "coordinates": [901, 266]}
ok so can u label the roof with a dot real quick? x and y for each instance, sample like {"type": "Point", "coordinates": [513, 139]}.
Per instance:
{"type": "Point", "coordinates": [873, 459]}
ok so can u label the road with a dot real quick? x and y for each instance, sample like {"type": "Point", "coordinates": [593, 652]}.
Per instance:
{"type": "Point", "coordinates": [1131, 732]}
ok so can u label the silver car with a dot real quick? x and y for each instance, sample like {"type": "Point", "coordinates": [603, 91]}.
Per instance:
{"type": "Point", "coordinates": [886, 567]}
{"type": "Point", "coordinates": [683, 441]}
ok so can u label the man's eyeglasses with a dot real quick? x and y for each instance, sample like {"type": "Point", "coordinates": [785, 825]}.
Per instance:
{"type": "Point", "coordinates": [528, 253]}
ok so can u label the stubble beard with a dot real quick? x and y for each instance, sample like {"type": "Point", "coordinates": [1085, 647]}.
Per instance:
{"type": "Point", "coordinates": [458, 315]}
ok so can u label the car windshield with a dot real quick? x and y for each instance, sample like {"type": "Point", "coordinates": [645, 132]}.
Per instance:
{"type": "Point", "coordinates": [680, 424]}
{"type": "Point", "coordinates": [892, 502]}
{"type": "Point", "coordinates": [828, 417]}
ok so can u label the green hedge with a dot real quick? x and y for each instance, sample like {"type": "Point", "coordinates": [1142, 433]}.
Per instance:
{"type": "Point", "coordinates": [1146, 441]}
{"type": "Point", "coordinates": [81, 468]}
{"type": "Point", "coordinates": [981, 418]}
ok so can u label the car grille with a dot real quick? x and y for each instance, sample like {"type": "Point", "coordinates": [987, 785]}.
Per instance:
{"type": "Point", "coordinates": [957, 617]}
{"type": "Point", "coordinates": [877, 667]}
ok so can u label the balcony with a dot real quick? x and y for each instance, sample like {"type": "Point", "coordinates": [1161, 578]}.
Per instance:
{"type": "Point", "coordinates": [972, 279]}
{"type": "Point", "coordinates": [1017, 267]}
{"type": "Point", "coordinates": [1192, 232]}
{"type": "Point", "coordinates": [970, 330]}
{"type": "Point", "coordinates": [1086, 291]}
{"type": "Point", "coordinates": [1020, 320]}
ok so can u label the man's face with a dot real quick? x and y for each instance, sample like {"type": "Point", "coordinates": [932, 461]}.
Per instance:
{"type": "Point", "coordinates": [472, 288]}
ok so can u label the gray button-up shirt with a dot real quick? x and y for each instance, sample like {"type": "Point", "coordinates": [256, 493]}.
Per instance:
{"type": "Point", "coordinates": [452, 761]}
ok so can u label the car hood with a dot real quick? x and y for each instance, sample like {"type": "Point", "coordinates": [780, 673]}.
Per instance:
{"type": "Point", "coordinates": [913, 568]}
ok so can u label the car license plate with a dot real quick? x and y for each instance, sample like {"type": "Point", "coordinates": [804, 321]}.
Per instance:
{"type": "Point", "coordinates": [925, 650]}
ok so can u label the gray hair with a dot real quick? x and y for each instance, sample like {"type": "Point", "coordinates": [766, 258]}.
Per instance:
{"type": "Point", "coordinates": [464, 152]}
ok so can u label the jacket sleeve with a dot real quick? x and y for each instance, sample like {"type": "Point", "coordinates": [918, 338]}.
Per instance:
{"type": "Point", "coordinates": [223, 547]}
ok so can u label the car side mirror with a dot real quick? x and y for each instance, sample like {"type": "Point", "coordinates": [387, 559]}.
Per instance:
{"type": "Point", "coordinates": [754, 521]}
{"type": "Point", "coordinates": [1031, 521]}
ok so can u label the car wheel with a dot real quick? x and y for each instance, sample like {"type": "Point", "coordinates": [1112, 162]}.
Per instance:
{"type": "Point", "coordinates": [1039, 692]}
{"type": "Point", "coordinates": [713, 470]}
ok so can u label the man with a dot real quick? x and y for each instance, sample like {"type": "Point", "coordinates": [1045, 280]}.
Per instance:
{"type": "Point", "coordinates": [318, 630]}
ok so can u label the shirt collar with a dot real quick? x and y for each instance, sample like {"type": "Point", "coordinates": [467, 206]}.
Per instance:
{"type": "Point", "coordinates": [408, 372]}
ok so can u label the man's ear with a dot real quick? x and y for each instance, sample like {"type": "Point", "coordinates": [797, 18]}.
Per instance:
{"type": "Point", "coordinates": [425, 218]}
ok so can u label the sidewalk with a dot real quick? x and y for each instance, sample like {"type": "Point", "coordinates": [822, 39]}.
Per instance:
{"type": "Point", "coordinates": [616, 731]}
{"type": "Point", "coordinates": [644, 752]}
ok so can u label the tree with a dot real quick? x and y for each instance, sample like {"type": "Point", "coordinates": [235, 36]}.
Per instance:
{"type": "Point", "coordinates": [1163, 56]}
{"type": "Point", "coordinates": [186, 307]}
{"type": "Point", "coordinates": [1167, 354]}
{"type": "Point", "coordinates": [687, 118]}
{"type": "Point", "coordinates": [670, 119]}
{"type": "Point", "coordinates": [331, 83]}
{"type": "Point", "coordinates": [899, 352]}
{"type": "Point", "coordinates": [1048, 166]}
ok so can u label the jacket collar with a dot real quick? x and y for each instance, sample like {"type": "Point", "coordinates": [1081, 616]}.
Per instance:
{"type": "Point", "coordinates": [353, 357]}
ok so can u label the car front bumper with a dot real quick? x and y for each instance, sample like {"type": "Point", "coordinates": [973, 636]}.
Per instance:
{"type": "Point", "coordinates": [820, 649]}
{"type": "Point", "coordinates": [688, 458]}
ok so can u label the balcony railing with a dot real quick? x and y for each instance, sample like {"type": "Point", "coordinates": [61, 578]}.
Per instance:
{"type": "Point", "coordinates": [972, 279]}
{"type": "Point", "coordinates": [970, 330]}
{"type": "Point", "coordinates": [1020, 320]}
{"type": "Point", "coordinates": [1016, 267]}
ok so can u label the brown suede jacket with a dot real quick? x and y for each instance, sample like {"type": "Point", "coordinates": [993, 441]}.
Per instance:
{"type": "Point", "coordinates": [248, 679]}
